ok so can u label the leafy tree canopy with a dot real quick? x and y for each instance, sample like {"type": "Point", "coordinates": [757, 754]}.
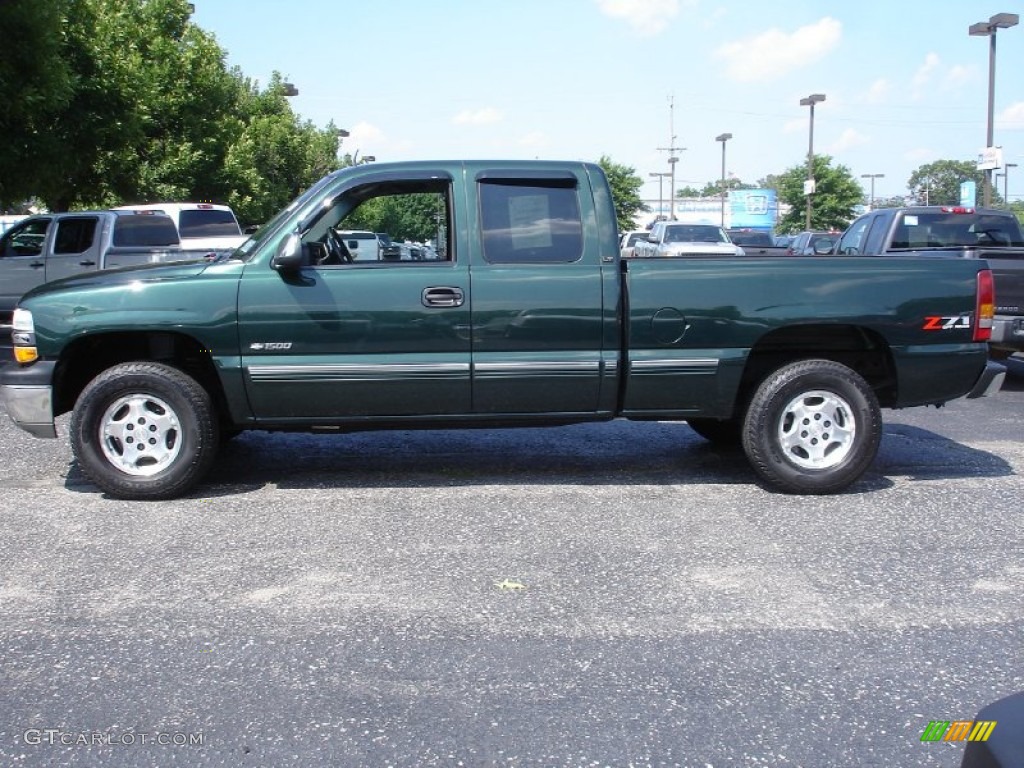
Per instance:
{"type": "Point", "coordinates": [625, 186]}
{"type": "Point", "coordinates": [834, 203]}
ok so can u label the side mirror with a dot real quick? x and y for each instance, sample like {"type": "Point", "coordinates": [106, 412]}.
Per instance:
{"type": "Point", "coordinates": [289, 257]}
{"type": "Point", "coordinates": [652, 239]}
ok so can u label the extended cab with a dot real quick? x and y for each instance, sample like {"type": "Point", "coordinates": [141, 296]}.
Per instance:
{"type": "Point", "coordinates": [50, 246]}
{"type": "Point", "coordinates": [673, 238]}
{"type": "Point", "coordinates": [528, 317]}
{"type": "Point", "coordinates": [953, 232]}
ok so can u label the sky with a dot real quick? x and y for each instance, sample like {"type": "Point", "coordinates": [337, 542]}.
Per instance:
{"type": "Point", "coordinates": [905, 84]}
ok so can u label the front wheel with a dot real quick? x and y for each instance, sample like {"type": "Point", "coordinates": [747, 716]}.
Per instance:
{"type": "Point", "coordinates": [813, 426]}
{"type": "Point", "coordinates": [144, 431]}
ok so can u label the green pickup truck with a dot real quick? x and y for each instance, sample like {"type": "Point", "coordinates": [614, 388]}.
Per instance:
{"type": "Point", "coordinates": [527, 317]}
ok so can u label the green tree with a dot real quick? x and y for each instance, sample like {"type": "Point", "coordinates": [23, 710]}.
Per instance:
{"type": "Point", "coordinates": [834, 203]}
{"type": "Point", "coordinates": [625, 186]}
{"type": "Point", "coordinates": [36, 85]}
{"type": "Point", "coordinates": [939, 183]}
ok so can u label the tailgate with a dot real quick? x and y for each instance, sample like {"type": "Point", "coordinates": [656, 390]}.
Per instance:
{"type": "Point", "coordinates": [1008, 270]}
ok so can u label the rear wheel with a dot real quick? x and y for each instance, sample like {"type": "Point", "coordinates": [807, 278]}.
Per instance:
{"type": "Point", "coordinates": [812, 427]}
{"type": "Point", "coordinates": [144, 431]}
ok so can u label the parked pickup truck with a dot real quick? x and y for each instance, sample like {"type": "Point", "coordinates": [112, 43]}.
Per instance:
{"type": "Point", "coordinates": [953, 232]}
{"type": "Point", "coordinates": [673, 238]}
{"type": "Point", "coordinates": [49, 246]}
{"type": "Point", "coordinates": [528, 317]}
{"type": "Point", "coordinates": [756, 242]}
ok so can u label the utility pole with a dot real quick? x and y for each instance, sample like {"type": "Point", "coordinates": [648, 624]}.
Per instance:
{"type": "Point", "coordinates": [672, 157]}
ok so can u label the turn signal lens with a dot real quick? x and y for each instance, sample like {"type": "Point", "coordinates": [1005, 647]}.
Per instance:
{"type": "Point", "coordinates": [26, 354]}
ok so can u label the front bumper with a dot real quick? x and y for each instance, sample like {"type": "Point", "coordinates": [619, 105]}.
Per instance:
{"type": "Point", "coordinates": [27, 394]}
{"type": "Point", "coordinates": [990, 381]}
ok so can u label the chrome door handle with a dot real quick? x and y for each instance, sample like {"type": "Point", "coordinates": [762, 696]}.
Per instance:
{"type": "Point", "coordinates": [443, 296]}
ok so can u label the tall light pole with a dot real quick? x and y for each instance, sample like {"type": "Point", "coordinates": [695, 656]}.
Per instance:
{"type": "Point", "coordinates": [872, 176]}
{"type": "Point", "coordinates": [723, 137]}
{"type": "Point", "coordinates": [1006, 182]}
{"type": "Point", "coordinates": [988, 29]}
{"type": "Point", "coordinates": [661, 195]}
{"type": "Point", "coordinates": [810, 101]}
{"type": "Point", "coordinates": [672, 158]}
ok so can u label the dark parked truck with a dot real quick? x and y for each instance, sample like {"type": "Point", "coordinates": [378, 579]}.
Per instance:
{"type": "Point", "coordinates": [527, 317]}
{"type": "Point", "coordinates": [50, 246]}
{"type": "Point", "coordinates": [953, 232]}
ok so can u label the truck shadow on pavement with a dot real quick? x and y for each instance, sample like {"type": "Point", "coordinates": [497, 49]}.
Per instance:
{"type": "Point", "coordinates": [615, 453]}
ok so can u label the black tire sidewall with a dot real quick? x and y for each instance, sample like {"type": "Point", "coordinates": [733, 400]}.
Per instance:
{"type": "Point", "coordinates": [193, 407]}
{"type": "Point", "coordinates": [762, 419]}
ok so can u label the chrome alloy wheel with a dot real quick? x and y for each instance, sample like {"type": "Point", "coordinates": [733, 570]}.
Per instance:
{"type": "Point", "coordinates": [140, 434]}
{"type": "Point", "coordinates": [817, 429]}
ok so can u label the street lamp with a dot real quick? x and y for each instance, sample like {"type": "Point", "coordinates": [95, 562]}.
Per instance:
{"type": "Point", "coordinates": [810, 101]}
{"type": "Point", "coordinates": [290, 89]}
{"type": "Point", "coordinates": [872, 176]}
{"type": "Point", "coordinates": [723, 137]}
{"type": "Point", "coordinates": [1006, 182]}
{"type": "Point", "coordinates": [988, 29]}
{"type": "Point", "coordinates": [661, 196]}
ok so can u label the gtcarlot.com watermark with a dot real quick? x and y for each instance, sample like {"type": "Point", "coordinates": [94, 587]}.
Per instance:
{"type": "Point", "coordinates": [57, 737]}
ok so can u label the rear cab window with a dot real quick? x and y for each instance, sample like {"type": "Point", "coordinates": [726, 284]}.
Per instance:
{"type": "Point", "coordinates": [530, 220]}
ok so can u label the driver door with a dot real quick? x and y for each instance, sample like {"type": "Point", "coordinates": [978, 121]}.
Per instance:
{"type": "Point", "coordinates": [346, 339]}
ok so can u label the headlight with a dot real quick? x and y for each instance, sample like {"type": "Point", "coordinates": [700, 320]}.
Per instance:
{"type": "Point", "coordinates": [23, 336]}
{"type": "Point", "coordinates": [23, 321]}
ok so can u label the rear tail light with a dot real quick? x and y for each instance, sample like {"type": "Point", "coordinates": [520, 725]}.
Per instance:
{"type": "Point", "coordinates": [985, 306]}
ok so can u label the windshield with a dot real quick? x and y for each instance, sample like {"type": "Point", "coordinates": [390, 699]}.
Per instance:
{"type": "Point", "coordinates": [694, 234]}
{"type": "Point", "coordinates": [246, 250]}
{"type": "Point", "coordinates": [942, 229]}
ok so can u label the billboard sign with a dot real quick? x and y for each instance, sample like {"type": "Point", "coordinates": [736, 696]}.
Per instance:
{"type": "Point", "coordinates": [753, 208]}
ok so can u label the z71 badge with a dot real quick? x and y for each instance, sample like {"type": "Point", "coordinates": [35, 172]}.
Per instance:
{"type": "Point", "coordinates": [959, 322]}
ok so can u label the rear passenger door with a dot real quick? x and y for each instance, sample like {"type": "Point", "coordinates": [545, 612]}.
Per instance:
{"type": "Point", "coordinates": [538, 305]}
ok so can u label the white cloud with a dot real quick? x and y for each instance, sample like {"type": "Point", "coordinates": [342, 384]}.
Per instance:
{"type": "Point", "coordinates": [959, 75]}
{"type": "Point", "coordinates": [878, 92]}
{"type": "Point", "coordinates": [848, 139]}
{"type": "Point", "coordinates": [362, 133]}
{"type": "Point", "coordinates": [925, 71]}
{"type": "Point", "coordinates": [648, 17]}
{"type": "Point", "coordinates": [1011, 118]}
{"type": "Point", "coordinates": [484, 116]}
{"type": "Point", "coordinates": [775, 53]}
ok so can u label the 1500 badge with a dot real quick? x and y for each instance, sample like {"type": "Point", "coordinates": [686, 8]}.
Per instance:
{"type": "Point", "coordinates": [270, 346]}
{"type": "Point", "coordinates": [957, 322]}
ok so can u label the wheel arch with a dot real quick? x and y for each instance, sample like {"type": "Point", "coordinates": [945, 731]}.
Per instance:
{"type": "Point", "coordinates": [88, 356]}
{"type": "Point", "coordinates": [857, 347]}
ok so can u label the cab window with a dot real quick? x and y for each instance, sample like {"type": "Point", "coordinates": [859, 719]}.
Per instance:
{"type": "Point", "coordinates": [380, 224]}
{"type": "Point", "coordinates": [530, 221]}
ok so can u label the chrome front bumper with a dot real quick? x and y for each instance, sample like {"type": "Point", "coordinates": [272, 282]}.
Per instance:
{"type": "Point", "coordinates": [28, 397]}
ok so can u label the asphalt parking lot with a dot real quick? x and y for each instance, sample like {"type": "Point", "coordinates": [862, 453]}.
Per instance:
{"type": "Point", "coordinates": [607, 595]}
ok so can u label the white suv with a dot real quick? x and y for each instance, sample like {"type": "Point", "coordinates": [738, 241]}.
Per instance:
{"type": "Point", "coordinates": [201, 226]}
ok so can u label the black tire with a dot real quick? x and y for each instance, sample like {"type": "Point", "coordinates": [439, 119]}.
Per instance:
{"type": "Point", "coordinates": [170, 408]}
{"type": "Point", "coordinates": [812, 427]}
{"type": "Point", "coordinates": [726, 433]}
